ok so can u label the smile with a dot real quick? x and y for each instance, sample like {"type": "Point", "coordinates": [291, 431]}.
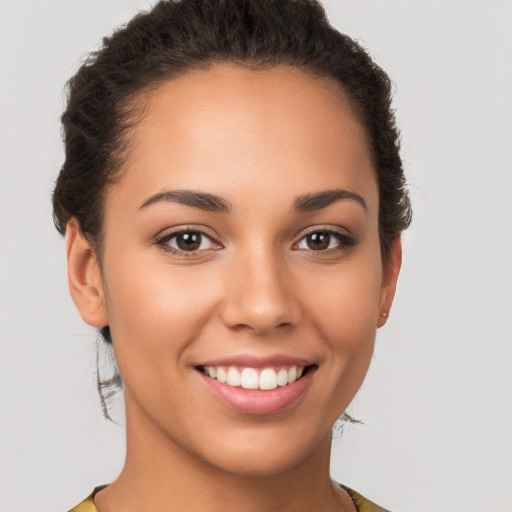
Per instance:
{"type": "Point", "coordinates": [258, 389]}
{"type": "Point", "coordinates": [263, 379]}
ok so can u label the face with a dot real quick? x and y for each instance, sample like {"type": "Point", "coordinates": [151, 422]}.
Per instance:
{"type": "Point", "coordinates": [241, 244]}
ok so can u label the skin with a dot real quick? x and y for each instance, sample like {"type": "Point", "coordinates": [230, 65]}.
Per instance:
{"type": "Point", "coordinates": [259, 140]}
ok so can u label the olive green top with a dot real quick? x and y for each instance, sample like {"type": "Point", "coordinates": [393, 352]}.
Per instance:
{"type": "Point", "coordinates": [361, 503]}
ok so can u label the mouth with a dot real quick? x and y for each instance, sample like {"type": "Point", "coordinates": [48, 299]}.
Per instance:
{"type": "Point", "coordinates": [262, 379]}
{"type": "Point", "coordinates": [261, 389]}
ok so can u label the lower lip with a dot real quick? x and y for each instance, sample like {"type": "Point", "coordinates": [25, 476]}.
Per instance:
{"type": "Point", "coordinates": [253, 401]}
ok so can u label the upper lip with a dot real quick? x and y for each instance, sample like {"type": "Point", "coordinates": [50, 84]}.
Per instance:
{"type": "Point", "coordinates": [254, 361]}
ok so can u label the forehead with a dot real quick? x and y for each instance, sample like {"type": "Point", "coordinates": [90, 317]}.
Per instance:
{"type": "Point", "coordinates": [227, 127]}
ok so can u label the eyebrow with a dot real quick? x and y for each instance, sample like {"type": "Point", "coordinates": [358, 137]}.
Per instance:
{"type": "Point", "coordinates": [319, 200]}
{"type": "Point", "coordinates": [214, 203]}
{"type": "Point", "coordinates": [201, 200]}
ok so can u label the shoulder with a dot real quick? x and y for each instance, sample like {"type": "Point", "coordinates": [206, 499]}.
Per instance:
{"type": "Point", "coordinates": [363, 504]}
{"type": "Point", "coordinates": [88, 504]}
{"type": "Point", "coordinates": [85, 506]}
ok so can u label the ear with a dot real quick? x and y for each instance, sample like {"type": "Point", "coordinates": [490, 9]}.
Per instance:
{"type": "Point", "coordinates": [390, 271]}
{"type": "Point", "coordinates": [84, 277]}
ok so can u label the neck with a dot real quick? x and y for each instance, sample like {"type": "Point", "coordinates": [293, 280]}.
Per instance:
{"type": "Point", "coordinates": [159, 475]}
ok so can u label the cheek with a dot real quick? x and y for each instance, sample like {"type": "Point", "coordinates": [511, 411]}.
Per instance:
{"type": "Point", "coordinates": [344, 310]}
{"type": "Point", "coordinates": [345, 302]}
{"type": "Point", "coordinates": [155, 311]}
{"type": "Point", "coordinates": [154, 315]}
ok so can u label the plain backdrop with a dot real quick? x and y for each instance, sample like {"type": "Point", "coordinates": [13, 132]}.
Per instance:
{"type": "Point", "coordinates": [437, 402]}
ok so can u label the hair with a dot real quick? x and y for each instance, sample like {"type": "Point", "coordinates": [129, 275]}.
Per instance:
{"type": "Point", "coordinates": [177, 36]}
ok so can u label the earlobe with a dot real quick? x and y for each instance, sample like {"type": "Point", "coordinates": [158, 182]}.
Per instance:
{"type": "Point", "coordinates": [84, 277]}
{"type": "Point", "coordinates": [390, 271]}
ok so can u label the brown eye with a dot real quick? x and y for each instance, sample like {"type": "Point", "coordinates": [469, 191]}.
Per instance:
{"type": "Point", "coordinates": [325, 240]}
{"type": "Point", "coordinates": [189, 241]}
{"type": "Point", "coordinates": [318, 241]}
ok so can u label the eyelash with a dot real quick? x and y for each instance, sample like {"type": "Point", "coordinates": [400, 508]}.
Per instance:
{"type": "Point", "coordinates": [345, 242]}
{"type": "Point", "coordinates": [164, 240]}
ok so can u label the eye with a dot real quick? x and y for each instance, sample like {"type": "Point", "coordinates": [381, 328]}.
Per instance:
{"type": "Point", "coordinates": [325, 240]}
{"type": "Point", "coordinates": [187, 241]}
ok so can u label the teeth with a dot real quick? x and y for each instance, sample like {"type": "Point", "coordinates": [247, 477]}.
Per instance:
{"type": "Point", "coordinates": [268, 379]}
{"type": "Point", "coordinates": [233, 377]}
{"type": "Point", "coordinates": [282, 377]}
{"type": "Point", "coordinates": [221, 374]}
{"type": "Point", "coordinates": [292, 374]}
{"type": "Point", "coordinates": [251, 378]}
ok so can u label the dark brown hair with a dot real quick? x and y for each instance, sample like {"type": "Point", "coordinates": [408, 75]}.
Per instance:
{"type": "Point", "coordinates": [178, 36]}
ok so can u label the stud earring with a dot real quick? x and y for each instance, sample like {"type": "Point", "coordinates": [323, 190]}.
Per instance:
{"type": "Point", "coordinates": [384, 314]}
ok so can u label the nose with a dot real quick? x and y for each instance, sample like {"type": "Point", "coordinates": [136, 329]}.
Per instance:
{"type": "Point", "coordinates": [260, 295]}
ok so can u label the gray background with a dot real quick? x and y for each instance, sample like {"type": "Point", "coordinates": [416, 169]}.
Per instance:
{"type": "Point", "coordinates": [437, 403]}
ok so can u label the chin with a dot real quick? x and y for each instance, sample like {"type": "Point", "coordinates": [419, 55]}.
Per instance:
{"type": "Point", "coordinates": [261, 454]}
{"type": "Point", "coordinates": [250, 464]}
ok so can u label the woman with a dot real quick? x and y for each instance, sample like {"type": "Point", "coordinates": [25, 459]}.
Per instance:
{"type": "Point", "coordinates": [232, 199]}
